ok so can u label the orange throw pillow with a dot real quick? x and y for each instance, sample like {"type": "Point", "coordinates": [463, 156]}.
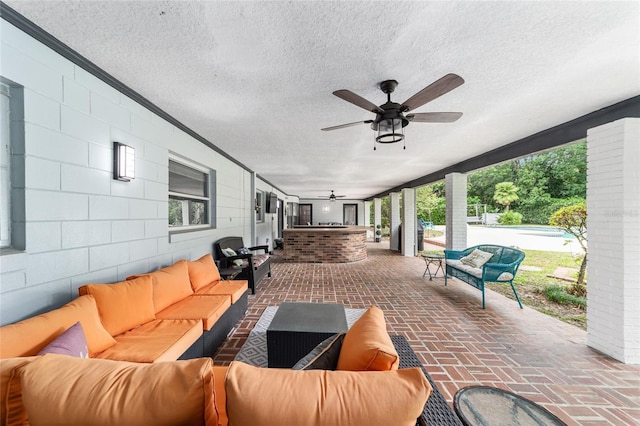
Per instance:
{"type": "Point", "coordinates": [124, 305]}
{"type": "Point", "coordinates": [367, 345]}
{"type": "Point", "coordinates": [29, 336]}
{"type": "Point", "coordinates": [203, 272]}
{"type": "Point", "coordinates": [170, 284]}
{"type": "Point", "coordinates": [273, 396]}
{"type": "Point", "coordinates": [63, 390]}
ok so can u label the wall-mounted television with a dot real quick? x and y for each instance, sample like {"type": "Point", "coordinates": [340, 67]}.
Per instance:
{"type": "Point", "coordinates": [272, 202]}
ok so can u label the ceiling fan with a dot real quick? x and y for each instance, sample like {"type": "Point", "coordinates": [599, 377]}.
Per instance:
{"type": "Point", "coordinates": [390, 117]}
{"type": "Point", "coordinates": [333, 196]}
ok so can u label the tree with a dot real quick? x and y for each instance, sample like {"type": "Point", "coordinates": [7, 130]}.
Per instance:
{"type": "Point", "coordinates": [505, 194]}
{"type": "Point", "coordinates": [573, 219]}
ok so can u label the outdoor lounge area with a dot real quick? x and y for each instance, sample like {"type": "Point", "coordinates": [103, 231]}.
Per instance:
{"type": "Point", "coordinates": [460, 344]}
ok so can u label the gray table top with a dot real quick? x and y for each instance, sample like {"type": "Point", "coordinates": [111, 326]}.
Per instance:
{"type": "Point", "coordinates": [309, 317]}
{"type": "Point", "coordinates": [485, 405]}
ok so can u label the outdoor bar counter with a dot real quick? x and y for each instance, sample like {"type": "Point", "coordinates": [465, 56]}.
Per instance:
{"type": "Point", "coordinates": [325, 244]}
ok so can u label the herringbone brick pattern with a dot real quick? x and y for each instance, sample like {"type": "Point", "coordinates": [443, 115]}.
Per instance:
{"type": "Point", "coordinates": [460, 344]}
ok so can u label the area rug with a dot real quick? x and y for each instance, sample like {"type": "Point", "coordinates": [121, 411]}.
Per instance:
{"type": "Point", "coordinates": [254, 351]}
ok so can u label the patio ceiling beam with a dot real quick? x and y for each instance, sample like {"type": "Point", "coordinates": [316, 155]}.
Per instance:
{"type": "Point", "coordinates": [547, 139]}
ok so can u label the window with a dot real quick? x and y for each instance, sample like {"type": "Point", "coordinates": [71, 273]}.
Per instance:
{"type": "Point", "coordinates": [189, 196]}
{"type": "Point", "coordinates": [5, 162]}
{"type": "Point", "coordinates": [259, 206]}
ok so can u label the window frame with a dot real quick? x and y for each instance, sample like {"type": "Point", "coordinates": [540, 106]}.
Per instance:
{"type": "Point", "coordinates": [185, 198]}
{"type": "Point", "coordinates": [260, 205]}
{"type": "Point", "coordinates": [5, 167]}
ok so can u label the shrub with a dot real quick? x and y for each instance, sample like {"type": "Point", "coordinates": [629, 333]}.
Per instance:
{"type": "Point", "coordinates": [557, 293]}
{"type": "Point", "coordinates": [510, 218]}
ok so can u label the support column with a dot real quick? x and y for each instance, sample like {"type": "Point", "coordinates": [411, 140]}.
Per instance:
{"type": "Point", "coordinates": [456, 213]}
{"type": "Point", "coordinates": [394, 220]}
{"type": "Point", "coordinates": [377, 215]}
{"type": "Point", "coordinates": [613, 222]}
{"type": "Point", "coordinates": [409, 218]}
{"type": "Point", "coordinates": [367, 214]}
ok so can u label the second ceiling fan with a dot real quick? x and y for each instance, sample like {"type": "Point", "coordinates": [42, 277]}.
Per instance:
{"type": "Point", "coordinates": [390, 117]}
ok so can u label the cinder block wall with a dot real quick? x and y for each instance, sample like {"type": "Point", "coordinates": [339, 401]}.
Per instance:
{"type": "Point", "coordinates": [613, 224]}
{"type": "Point", "coordinates": [80, 225]}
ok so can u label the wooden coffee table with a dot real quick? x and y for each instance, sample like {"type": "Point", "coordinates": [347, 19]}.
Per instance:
{"type": "Point", "coordinates": [299, 327]}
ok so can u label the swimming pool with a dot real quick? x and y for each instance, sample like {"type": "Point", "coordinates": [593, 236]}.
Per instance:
{"type": "Point", "coordinates": [539, 230]}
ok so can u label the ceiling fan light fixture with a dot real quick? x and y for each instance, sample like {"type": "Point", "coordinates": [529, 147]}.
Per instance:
{"type": "Point", "coordinates": [390, 130]}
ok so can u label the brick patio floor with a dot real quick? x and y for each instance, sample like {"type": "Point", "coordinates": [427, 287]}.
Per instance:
{"type": "Point", "coordinates": [459, 343]}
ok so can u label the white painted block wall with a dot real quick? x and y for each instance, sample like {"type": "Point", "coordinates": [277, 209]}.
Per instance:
{"type": "Point", "coordinates": [81, 225]}
{"type": "Point", "coordinates": [613, 224]}
{"type": "Point", "coordinates": [456, 211]}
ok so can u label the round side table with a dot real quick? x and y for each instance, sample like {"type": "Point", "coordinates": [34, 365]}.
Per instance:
{"type": "Point", "coordinates": [488, 406]}
{"type": "Point", "coordinates": [433, 259]}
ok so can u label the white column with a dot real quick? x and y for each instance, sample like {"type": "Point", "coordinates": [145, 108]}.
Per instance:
{"type": "Point", "coordinates": [377, 215]}
{"type": "Point", "coordinates": [409, 218]}
{"type": "Point", "coordinates": [456, 213]}
{"type": "Point", "coordinates": [367, 214]}
{"type": "Point", "coordinates": [613, 224]}
{"type": "Point", "coordinates": [394, 219]}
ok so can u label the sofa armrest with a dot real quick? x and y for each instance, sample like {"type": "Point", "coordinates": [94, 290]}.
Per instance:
{"type": "Point", "coordinates": [255, 248]}
{"type": "Point", "coordinates": [454, 254]}
{"type": "Point", "coordinates": [491, 271]}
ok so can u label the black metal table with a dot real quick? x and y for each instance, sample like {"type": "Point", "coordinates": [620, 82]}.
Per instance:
{"type": "Point", "coordinates": [486, 406]}
{"type": "Point", "coordinates": [299, 327]}
{"type": "Point", "coordinates": [433, 259]}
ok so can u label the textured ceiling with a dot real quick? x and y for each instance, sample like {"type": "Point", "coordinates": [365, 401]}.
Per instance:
{"type": "Point", "coordinates": [256, 78]}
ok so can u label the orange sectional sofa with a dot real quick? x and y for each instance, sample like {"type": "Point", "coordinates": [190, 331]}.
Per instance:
{"type": "Point", "coordinates": [182, 311]}
{"type": "Point", "coordinates": [367, 388]}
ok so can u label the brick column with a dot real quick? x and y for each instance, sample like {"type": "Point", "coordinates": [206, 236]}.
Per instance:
{"type": "Point", "coordinates": [613, 212]}
{"type": "Point", "coordinates": [394, 219]}
{"type": "Point", "coordinates": [456, 213]}
{"type": "Point", "coordinates": [409, 246]}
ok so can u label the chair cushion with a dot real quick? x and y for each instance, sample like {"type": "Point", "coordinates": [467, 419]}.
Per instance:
{"type": "Point", "coordinates": [259, 259]}
{"type": "Point", "coordinates": [124, 305]}
{"type": "Point", "coordinates": [12, 411]}
{"type": "Point", "coordinates": [264, 396]}
{"type": "Point", "coordinates": [207, 308]}
{"type": "Point", "coordinates": [233, 288]}
{"type": "Point", "coordinates": [170, 284]}
{"type": "Point", "coordinates": [203, 272]}
{"type": "Point", "coordinates": [155, 341]}
{"type": "Point", "coordinates": [367, 345]}
{"type": "Point", "coordinates": [28, 337]}
{"type": "Point", "coordinates": [58, 389]}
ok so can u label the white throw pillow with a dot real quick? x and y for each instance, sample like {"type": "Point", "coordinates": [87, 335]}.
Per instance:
{"type": "Point", "coordinates": [476, 258]}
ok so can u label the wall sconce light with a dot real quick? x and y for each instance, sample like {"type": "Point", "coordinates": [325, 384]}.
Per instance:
{"type": "Point", "coordinates": [325, 209]}
{"type": "Point", "coordinates": [124, 162]}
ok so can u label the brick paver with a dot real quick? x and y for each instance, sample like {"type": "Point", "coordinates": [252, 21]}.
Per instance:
{"type": "Point", "coordinates": [460, 344]}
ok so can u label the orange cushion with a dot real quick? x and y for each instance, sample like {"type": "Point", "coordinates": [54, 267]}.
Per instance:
{"type": "Point", "coordinates": [58, 389]}
{"type": "Point", "coordinates": [170, 284]}
{"type": "Point", "coordinates": [206, 308]}
{"type": "Point", "coordinates": [155, 341]}
{"type": "Point", "coordinates": [220, 376]}
{"type": "Point", "coordinates": [273, 396]}
{"type": "Point", "coordinates": [367, 345]}
{"type": "Point", "coordinates": [12, 411]}
{"type": "Point", "coordinates": [28, 337]}
{"type": "Point", "coordinates": [233, 288]}
{"type": "Point", "coordinates": [203, 272]}
{"type": "Point", "coordinates": [124, 305]}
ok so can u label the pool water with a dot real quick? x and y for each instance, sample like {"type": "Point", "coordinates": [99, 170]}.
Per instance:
{"type": "Point", "coordinates": [539, 230]}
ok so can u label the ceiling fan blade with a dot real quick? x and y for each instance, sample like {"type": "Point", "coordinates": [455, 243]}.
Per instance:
{"type": "Point", "coordinates": [342, 126]}
{"type": "Point", "coordinates": [432, 91]}
{"type": "Point", "coordinates": [434, 117]}
{"type": "Point", "coordinates": [357, 100]}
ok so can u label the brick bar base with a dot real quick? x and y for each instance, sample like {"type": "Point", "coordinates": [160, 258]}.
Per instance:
{"type": "Point", "coordinates": [325, 245]}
